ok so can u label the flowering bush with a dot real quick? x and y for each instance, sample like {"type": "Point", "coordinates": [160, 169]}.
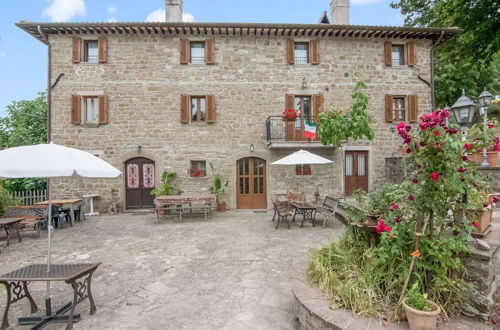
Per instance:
{"type": "Point", "coordinates": [290, 114]}
{"type": "Point", "coordinates": [414, 243]}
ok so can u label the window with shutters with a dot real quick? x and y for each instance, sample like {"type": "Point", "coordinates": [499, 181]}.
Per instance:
{"type": "Point", "coordinates": [303, 105]}
{"type": "Point", "coordinates": [90, 51]}
{"type": "Point", "coordinates": [398, 108]}
{"type": "Point", "coordinates": [198, 169]}
{"type": "Point", "coordinates": [398, 55]}
{"type": "Point", "coordinates": [198, 109]}
{"type": "Point", "coordinates": [197, 52]}
{"type": "Point", "coordinates": [301, 52]}
{"type": "Point", "coordinates": [305, 169]}
{"type": "Point", "coordinates": [91, 109]}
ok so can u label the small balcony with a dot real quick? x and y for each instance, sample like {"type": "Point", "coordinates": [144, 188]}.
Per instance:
{"type": "Point", "coordinates": [281, 134]}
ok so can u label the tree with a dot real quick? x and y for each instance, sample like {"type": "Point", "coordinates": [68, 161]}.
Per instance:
{"type": "Point", "coordinates": [25, 124]}
{"type": "Point", "coordinates": [472, 59]}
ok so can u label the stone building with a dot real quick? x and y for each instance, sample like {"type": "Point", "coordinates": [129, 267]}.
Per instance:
{"type": "Point", "coordinates": [177, 96]}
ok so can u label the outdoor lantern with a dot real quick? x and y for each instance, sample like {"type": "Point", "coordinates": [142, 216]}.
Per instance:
{"type": "Point", "coordinates": [463, 110]}
{"type": "Point", "coordinates": [485, 98]}
{"type": "Point", "coordinates": [251, 148]}
{"type": "Point", "coordinates": [139, 149]}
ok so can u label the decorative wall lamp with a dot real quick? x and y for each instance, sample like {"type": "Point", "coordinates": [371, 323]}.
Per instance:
{"type": "Point", "coordinates": [463, 111]}
{"type": "Point", "coordinates": [304, 83]}
{"type": "Point", "coordinates": [252, 148]}
{"type": "Point", "coordinates": [139, 149]}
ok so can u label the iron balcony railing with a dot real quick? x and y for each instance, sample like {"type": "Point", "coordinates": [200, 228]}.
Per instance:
{"type": "Point", "coordinates": [279, 130]}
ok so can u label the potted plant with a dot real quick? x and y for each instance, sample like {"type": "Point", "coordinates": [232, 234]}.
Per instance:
{"type": "Point", "coordinates": [289, 115]}
{"type": "Point", "coordinates": [482, 137]}
{"type": "Point", "coordinates": [421, 312]}
{"type": "Point", "coordinates": [167, 188]}
{"type": "Point", "coordinates": [219, 188]}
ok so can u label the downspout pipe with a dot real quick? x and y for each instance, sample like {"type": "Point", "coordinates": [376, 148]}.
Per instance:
{"type": "Point", "coordinates": [49, 98]}
{"type": "Point", "coordinates": [435, 44]}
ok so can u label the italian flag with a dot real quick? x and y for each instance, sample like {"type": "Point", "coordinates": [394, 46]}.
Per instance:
{"type": "Point", "coordinates": [309, 130]}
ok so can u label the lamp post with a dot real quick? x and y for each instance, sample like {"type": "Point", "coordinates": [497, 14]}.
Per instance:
{"type": "Point", "coordinates": [463, 111]}
{"type": "Point", "coordinates": [484, 101]}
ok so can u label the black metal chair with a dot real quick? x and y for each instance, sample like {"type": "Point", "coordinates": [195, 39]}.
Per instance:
{"type": "Point", "coordinates": [58, 216]}
{"type": "Point", "coordinates": [281, 210]}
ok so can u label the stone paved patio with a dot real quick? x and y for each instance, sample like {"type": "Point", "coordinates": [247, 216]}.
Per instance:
{"type": "Point", "coordinates": [234, 271]}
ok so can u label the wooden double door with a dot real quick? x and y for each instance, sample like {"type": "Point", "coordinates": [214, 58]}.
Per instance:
{"type": "Point", "coordinates": [356, 171]}
{"type": "Point", "coordinates": [251, 183]}
{"type": "Point", "coordinates": [139, 182]}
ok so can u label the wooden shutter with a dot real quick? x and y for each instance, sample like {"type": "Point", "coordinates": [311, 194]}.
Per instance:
{"type": "Point", "coordinates": [184, 45]}
{"type": "Point", "coordinates": [102, 43]}
{"type": "Point", "coordinates": [389, 105]}
{"type": "Point", "coordinates": [411, 54]}
{"type": "Point", "coordinates": [388, 53]}
{"type": "Point", "coordinates": [314, 51]}
{"type": "Point", "coordinates": [291, 51]}
{"type": "Point", "coordinates": [210, 108]}
{"type": "Point", "coordinates": [77, 50]}
{"type": "Point", "coordinates": [413, 108]}
{"type": "Point", "coordinates": [103, 109]}
{"type": "Point", "coordinates": [289, 101]}
{"type": "Point", "coordinates": [317, 100]}
{"type": "Point", "coordinates": [210, 51]}
{"type": "Point", "coordinates": [76, 109]}
{"type": "Point", "coordinates": [184, 108]}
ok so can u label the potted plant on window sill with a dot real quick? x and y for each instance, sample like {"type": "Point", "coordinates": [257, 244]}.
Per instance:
{"type": "Point", "coordinates": [421, 312]}
{"type": "Point", "coordinates": [219, 188]}
{"type": "Point", "coordinates": [289, 115]}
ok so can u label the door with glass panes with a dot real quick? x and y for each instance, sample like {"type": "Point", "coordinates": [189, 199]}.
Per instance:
{"type": "Point", "coordinates": [356, 171]}
{"type": "Point", "coordinates": [251, 183]}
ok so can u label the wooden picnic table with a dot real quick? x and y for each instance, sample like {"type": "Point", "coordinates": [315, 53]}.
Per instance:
{"type": "Point", "coordinates": [78, 275]}
{"type": "Point", "coordinates": [10, 225]}
{"type": "Point", "coordinates": [307, 210]}
{"type": "Point", "coordinates": [72, 204]}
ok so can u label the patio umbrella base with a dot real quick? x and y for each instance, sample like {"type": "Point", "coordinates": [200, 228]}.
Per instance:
{"type": "Point", "coordinates": [41, 321]}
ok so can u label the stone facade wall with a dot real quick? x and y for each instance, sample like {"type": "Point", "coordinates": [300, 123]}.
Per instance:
{"type": "Point", "coordinates": [143, 79]}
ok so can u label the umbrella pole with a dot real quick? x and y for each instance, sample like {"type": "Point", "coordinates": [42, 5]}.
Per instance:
{"type": "Point", "coordinates": [303, 184]}
{"type": "Point", "coordinates": [48, 309]}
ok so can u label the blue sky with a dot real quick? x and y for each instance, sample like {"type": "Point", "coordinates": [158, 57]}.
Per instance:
{"type": "Point", "coordinates": [23, 59]}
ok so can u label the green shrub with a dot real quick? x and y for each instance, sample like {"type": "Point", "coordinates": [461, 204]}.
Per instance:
{"type": "Point", "coordinates": [418, 300]}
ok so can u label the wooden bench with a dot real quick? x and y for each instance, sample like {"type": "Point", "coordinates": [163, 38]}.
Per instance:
{"type": "Point", "coordinates": [183, 209]}
{"type": "Point", "coordinates": [34, 216]}
{"type": "Point", "coordinates": [328, 208]}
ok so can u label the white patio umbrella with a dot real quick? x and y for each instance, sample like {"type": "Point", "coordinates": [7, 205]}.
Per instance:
{"type": "Point", "coordinates": [52, 161]}
{"type": "Point", "coordinates": [302, 157]}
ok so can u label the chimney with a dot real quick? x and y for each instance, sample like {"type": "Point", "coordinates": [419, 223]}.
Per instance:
{"type": "Point", "coordinates": [340, 12]}
{"type": "Point", "coordinates": [173, 10]}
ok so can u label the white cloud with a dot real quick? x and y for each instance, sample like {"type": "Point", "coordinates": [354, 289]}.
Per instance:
{"type": "Point", "coordinates": [111, 9]}
{"type": "Point", "coordinates": [159, 16]}
{"type": "Point", "coordinates": [156, 16]}
{"type": "Point", "coordinates": [364, 2]}
{"type": "Point", "coordinates": [112, 20]}
{"type": "Point", "coordinates": [64, 10]}
{"type": "Point", "coordinates": [187, 17]}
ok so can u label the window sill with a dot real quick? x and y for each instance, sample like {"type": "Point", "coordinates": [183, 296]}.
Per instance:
{"type": "Point", "coordinates": [94, 125]}
{"type": "Point", "coordinates": [88, 63]}
{"type": "Point", "coordinates": [198, 123]}
{"type": "Point", "coordinates": [404, 66]}
{"type": "Point", "coordinates": [198, 178]}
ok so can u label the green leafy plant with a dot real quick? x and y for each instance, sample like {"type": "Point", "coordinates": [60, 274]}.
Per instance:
{"type": "Point", "coordinates": [219, 186]}
{"type": "Point", "coordinates": [418, 300]}
{"type": "Point", "coordinates": [6, 200]}
{"type": "Point", "coordinates": [167, 187]}
{"type": "Point", "coordinates": [483, 136]}
{"type": "Point", "coordinates": [337, 126]}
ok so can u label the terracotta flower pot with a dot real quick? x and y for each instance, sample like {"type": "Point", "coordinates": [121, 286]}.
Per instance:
{"type": "Point", "coordinates": [483, 218]}
{"type": "Point", "coordinates": [221, 207]}
{"type": "Point", "coordinates": [475, 158]}
{"type": "Point", "coordinates": [492, 157]}
{"type": "Point", "coordinates": [420, 320]}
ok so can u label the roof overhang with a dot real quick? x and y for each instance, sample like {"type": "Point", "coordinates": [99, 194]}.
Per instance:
{"type": "Point", "coordinates": [239, 29]}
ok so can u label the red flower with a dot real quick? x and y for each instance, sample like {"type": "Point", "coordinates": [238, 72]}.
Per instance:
{"type": "Point", "coordinates": [408, 150]}
{"type": "Point", "coordinates": [411, 197]}
{"type": "Point", "coordinates": [382, 227]}
{"type": "Point", "coordinates": [495, 200]}
{"type": "Point", "coordinates": [491, 126]}
{"type": "Point", "coordinates": [475, 184]}
{"type": "Point", "coordinates": [397, 219]}
{"type": "Point", "coordinates": [475, 224]}
{"type": "Point", "coordinates": [434, 176]}
{"type": "Point", "coordinates": [465, 158]}
{"type": "Point", "coordinates": [414, 180]}
{"type": "Point", "coordinates": [393, 207]}
{"type": "Point", "coordinates": [485, 205]}
{"type": "Point", "coordinates": [462, 169]}
{"type": "Point", "coordinates": [467, 145]}
{"type": "Point", "coordinates": [436, 133]}
{"type": "Point", "coordinates": [462, 179]}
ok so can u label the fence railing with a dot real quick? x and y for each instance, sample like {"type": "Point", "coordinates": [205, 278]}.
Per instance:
{"type": "Point", "coordinates": [278, 130]}
{"type": "Point", "coordinates": [30, 197]}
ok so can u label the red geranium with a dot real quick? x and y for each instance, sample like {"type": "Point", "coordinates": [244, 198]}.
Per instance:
{"type": "Point", "coordinates": [467, 145]}
{"type": "Point", "coordinates": [382, 227]}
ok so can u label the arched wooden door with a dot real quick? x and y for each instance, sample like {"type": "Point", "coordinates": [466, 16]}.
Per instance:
{"type": "Point", "coordinates": [139, 181]}
{"type": "Point", "coordinates": [251, 183]}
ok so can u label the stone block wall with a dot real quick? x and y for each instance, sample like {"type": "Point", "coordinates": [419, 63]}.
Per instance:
{"type": "Point", "coordinates": [143, 79]}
